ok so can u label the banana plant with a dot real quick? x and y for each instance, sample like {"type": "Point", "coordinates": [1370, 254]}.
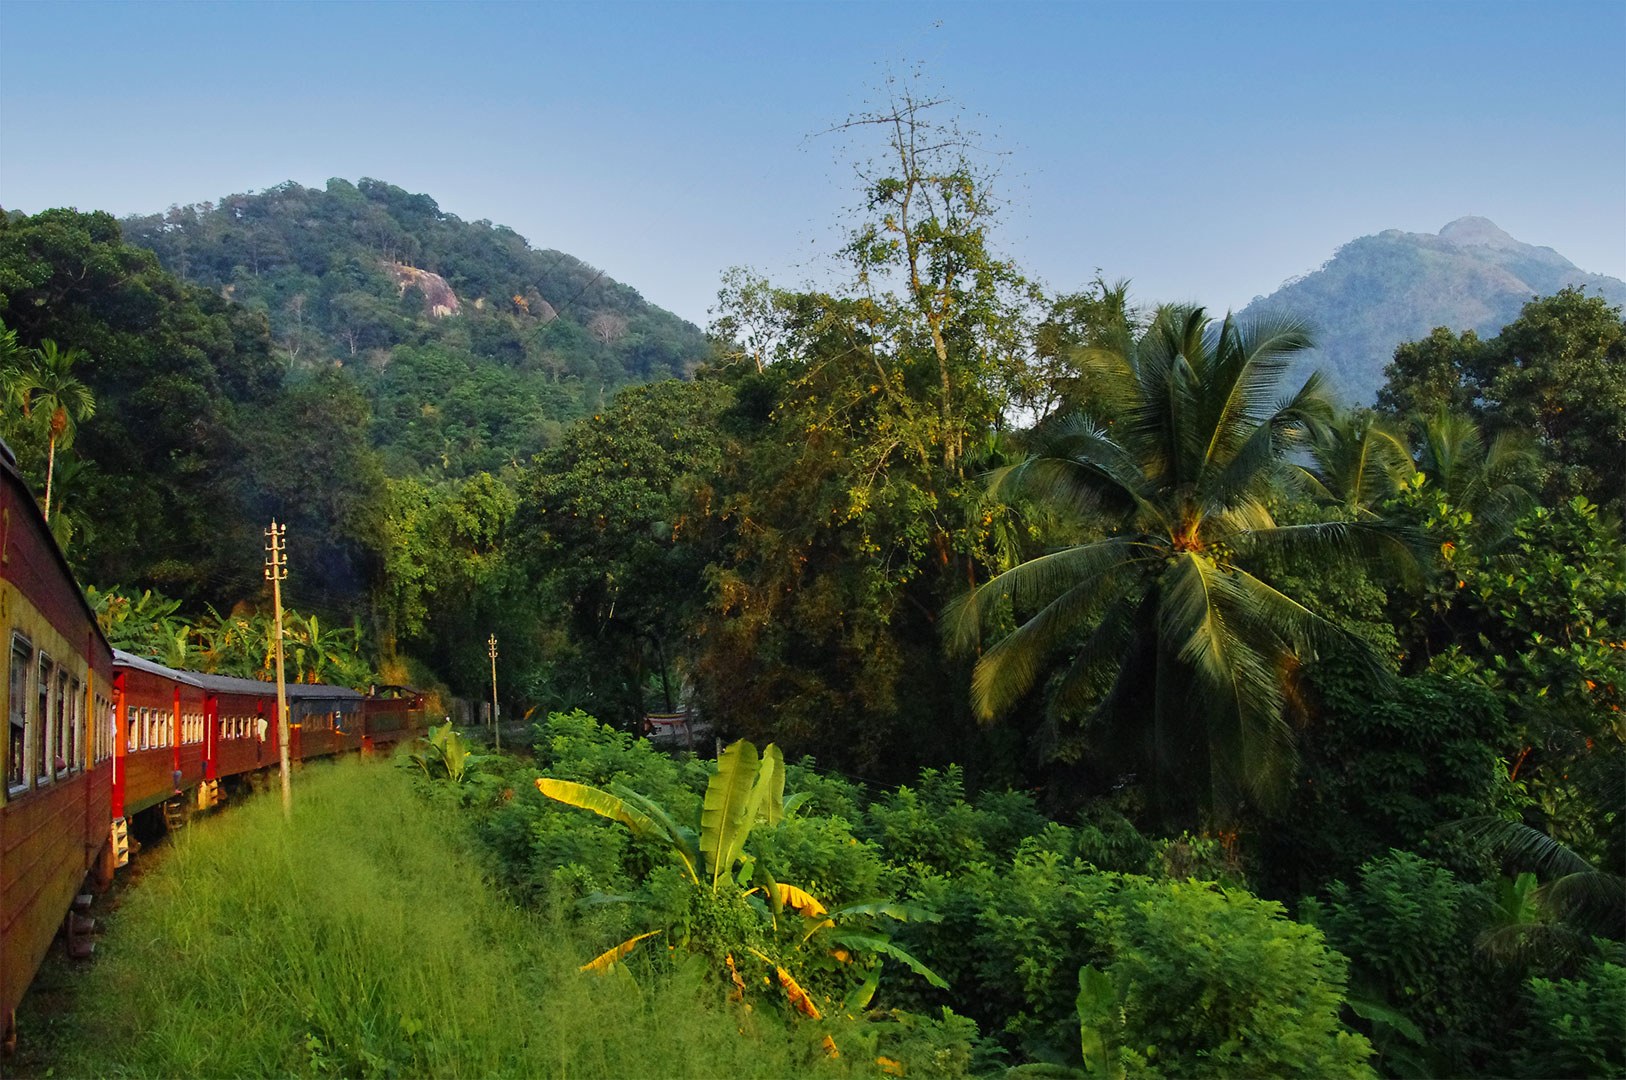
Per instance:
{"type": "Point", "coordinates": [746, 791]}
{"type": "Point", "coordinates": [442, 748]}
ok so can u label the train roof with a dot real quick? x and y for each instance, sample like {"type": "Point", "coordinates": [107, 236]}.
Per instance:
{"type": "Point", "coordinates": [231, 684]}
{"type": "Point", "coordinates": [153, 667]}
{"type": "Point", "coordinates": [322, 690]}
{"type": "Point", "coordinates": [8, 467]}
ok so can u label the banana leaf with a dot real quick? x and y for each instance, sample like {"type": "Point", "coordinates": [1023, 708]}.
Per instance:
{"type": "Point", "coordinates": [861, 996]}
{"type": "Point", "coordinates": [892, 909]}
{"type": "Point", "coordinates": [603, 804]}
{"type": "Point", "coordinates": [683, 841]}
{"type": "Point", "coordinates": [727, 815]}
{"type": "Point", "coordinates": [884, 946]}
{"type": "Point", "coordinates": [609, 957]}
{"type": "Point", "coordinates": [768, 792]}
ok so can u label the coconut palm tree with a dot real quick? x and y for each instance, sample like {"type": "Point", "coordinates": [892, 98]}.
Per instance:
{"type": "Point", "coordinates": [1357, 462]}
{"type": "Point", "coordinates": [1171, 643]}
{"type": "Point", "coordinates": [48, 383]}
{"type": "Point", "coordinates": [1471, 473]}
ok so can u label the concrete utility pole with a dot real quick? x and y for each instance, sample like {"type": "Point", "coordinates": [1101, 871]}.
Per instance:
{"type": "Point", "coordinates": [496, 729]}
{"type": "Point", "coordinates": [276, 571]}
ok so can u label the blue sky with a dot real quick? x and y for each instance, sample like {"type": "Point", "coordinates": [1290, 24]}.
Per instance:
{"type": "Point", "coordinates": [1206, 151]}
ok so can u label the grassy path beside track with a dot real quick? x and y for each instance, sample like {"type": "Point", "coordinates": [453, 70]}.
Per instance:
{"type": "Point", "coordinates": [364, 940]}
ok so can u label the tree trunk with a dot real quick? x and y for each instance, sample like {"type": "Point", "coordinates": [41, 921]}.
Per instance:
{"type": "Point", "coordinates": [50, 472]}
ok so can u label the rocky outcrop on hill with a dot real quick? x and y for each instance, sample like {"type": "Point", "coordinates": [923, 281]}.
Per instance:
{"type": "Point", "coordinates": [439, 299]}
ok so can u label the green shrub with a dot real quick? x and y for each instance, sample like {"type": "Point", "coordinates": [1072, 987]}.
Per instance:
{"type": "Point", "coordinates": [1382, 768]}
{"type": "Point", "coordinates": [1218, 983]}
{"type": "Point", "coordinates": [823, 856]}
{"type": "Point", "coordinates": [828, 795]}
{"type": "Point", "coordinates": [574, 746]}
{"type": "Point", "coordinates": [1577, 1026]}
{"type": "Point", "coordinates": [931, 826]}
{"type": "Point", "coordinates": [1214, 982]}
{"type": "Point", "coordinates": [1409, 927]}
{"type": "Point", "coordinates": [934, 827]}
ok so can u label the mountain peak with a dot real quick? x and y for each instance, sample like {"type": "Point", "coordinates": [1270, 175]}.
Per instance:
{"type": "Point", "coordinates": [1379, 291]}
{"type": "Point", "coordinates": [1476, 232]}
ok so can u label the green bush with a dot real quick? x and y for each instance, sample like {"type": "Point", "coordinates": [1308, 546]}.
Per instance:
{"type": "Point", "coordinates": [828, 795]}
{"type": "Point", "coordinates": [1212, 981]}
{"type": "Point", "coordinates": [1409, 927]}
{"type": "Point", "coordinates": [933, 826]}
{"type": "Point", "coordinates": [1577, 1026]}
{"type": "Point", "coordinates": [822, 855]}
{"type": "Point", "coordinates": [1218, 983]}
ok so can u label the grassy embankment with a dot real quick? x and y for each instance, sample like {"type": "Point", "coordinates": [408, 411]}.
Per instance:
{"type": "Point", "coordinates": [364, 939]}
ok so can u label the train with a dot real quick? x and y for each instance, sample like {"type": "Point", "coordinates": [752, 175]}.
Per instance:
{"type": "Point", "coordinates": [98, 740]}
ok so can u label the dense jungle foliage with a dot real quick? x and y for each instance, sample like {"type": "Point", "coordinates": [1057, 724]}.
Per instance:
{"type": "Point", "coordinates": [940, 933]}
{"type": "Point", "coordinates": [1243, 734]}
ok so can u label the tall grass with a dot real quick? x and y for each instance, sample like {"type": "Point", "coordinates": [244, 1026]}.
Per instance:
{"type": "Point", "coordinates": [364, 940]}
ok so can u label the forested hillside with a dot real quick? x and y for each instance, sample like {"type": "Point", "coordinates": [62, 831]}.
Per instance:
{"type": "Point", "coordinates": [473, 347]}
{"type": "Point", "coordinates": [1379, 291]}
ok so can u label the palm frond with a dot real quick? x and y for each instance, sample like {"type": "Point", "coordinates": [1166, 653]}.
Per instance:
{"type": "Point", "coordinates": [1246, 364]}
{"type": "Point", "coordinates": [1009, 668]}
{"type": "Point", "coordinates": [1034, 583]}
{"type": "Point", "coordinates": [1525, 847]}
{"type": "Point", "coordinates": [1380, 545]}
{"type": "Point", "coordinates": [1107, 644]}
{"type": "Point", "coordinates": [1204, 620]}
{"type": "Point", "coordinates": [1591, 898]}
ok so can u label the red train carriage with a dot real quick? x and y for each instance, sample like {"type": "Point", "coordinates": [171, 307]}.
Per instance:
{"type": "Point", "coordinates": [181, 733]}
{"type": "Point", "coordinates": [55, 803]}
{"type": "Point", "coordinates": [93, 738]}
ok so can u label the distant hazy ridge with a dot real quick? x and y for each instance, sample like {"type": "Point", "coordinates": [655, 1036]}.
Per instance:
{"type": "Point", "coordinates": [1379, 291]}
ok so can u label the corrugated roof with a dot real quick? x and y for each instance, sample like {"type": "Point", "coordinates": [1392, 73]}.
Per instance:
{"type": "Point", "coordinates": [321, 690]}
{"type": "Point", "coordinates": [231, 684]}
{"type": "Point", "coordinates": [153, 667]}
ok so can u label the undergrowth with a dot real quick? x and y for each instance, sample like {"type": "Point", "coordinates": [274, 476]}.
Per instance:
{"type": "Point", "coordinates": [363, 939]}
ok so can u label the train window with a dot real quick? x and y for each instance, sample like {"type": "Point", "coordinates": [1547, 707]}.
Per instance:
{"type": "Point", "coordinates": [149, 727]}
{"type": "Point", "coordinates": [22, 657]}
{"type": "Point", "coordinates": [42, 737]}
{"type": "Point", "coordinates": [61, 721]}
{"type": "Point", "coordinates": [104, 714]}
{"type": "Point", "coordinates": [75, 710]}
